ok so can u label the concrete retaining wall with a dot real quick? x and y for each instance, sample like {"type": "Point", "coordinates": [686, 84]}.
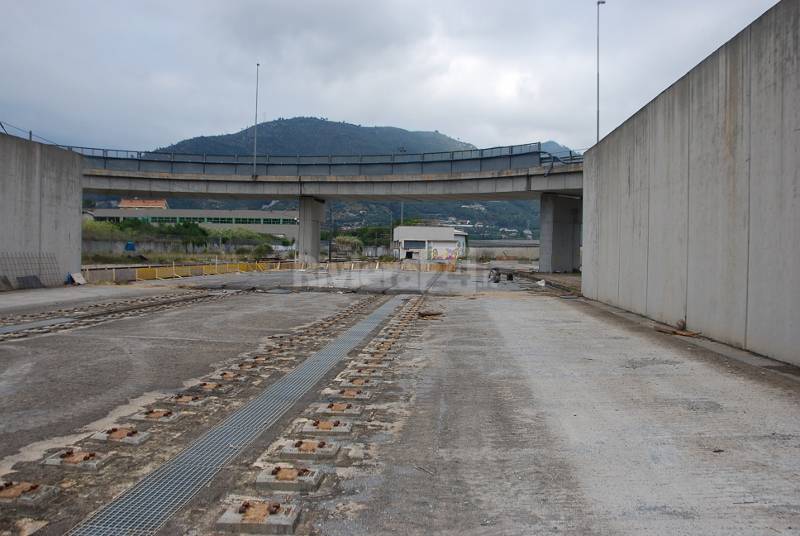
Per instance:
{"type": "Point", "coordinates": [692, 206]}
{"type": "Point", "coordinates": [40, 211]}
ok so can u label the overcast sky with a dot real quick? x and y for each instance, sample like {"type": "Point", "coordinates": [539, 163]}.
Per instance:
{"type": "Point", "coordinates": [145, 74]}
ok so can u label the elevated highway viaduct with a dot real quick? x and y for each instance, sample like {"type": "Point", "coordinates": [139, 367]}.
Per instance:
{"type": "Point", "coordinates": [517, 172]}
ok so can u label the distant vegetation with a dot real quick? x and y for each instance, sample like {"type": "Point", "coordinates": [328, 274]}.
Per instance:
{"type": "Point", "coordinates": [186, 233]}
{"type": "Point", "coordinates": [206, 244]}
{"type": "Point", "coordinates": [366, 236]}
{"type": "Point", "coordinates": [161, 258]}
{"type": "Point", "coordinates": [309, 136]}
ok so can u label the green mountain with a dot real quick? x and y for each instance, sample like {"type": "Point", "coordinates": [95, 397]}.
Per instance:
{"type": "Point", "coordinates": [309, 136]}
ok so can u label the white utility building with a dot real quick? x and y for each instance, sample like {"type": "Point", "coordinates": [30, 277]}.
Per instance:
{"type": "Point", "coordinates": [429, 243]}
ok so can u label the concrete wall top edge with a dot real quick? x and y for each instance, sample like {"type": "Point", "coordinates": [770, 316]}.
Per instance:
{"type": "Point", "coordinates": [687, 74]}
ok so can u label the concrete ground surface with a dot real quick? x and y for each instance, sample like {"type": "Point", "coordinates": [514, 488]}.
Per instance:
{"type": "Point", "coordinates": [535, 415]}
{"type": "Point", "coordinates": [514, 412]}
{"type": "Point", "coordinates": [44, 299]}
{"type": "Point", "coordinates": [56, 384]}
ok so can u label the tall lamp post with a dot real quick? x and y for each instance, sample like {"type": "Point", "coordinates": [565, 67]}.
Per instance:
{"type": "Point", "coordinates": [599, 3]}
{"type": "Point", "coordinates": [255, 125]}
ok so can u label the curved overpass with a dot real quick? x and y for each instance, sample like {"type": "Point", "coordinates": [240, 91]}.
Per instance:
{"type": "Point", "coordinates": [512, 172]}
{"type": "Point", "coordinates": [521, 171]}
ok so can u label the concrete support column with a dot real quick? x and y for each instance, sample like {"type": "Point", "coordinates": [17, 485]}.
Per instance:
{"type": "Point", "coordinates": [560, 233]}
{"type": "Point", "coordinates": [312, 215]}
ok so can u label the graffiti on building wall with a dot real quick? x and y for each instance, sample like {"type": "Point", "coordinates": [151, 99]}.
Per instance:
{"type": "Point", "coordinates": [445, 254]}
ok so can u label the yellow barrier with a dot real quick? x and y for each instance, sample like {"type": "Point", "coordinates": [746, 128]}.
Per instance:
{"type": "Point", "coordinates": [170, 272]}
{"type": "Point", "coordinates": [144, 274]}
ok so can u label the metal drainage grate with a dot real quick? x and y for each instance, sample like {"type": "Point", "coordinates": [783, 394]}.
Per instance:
{"type": "Point", "coordinates": [144, 508]}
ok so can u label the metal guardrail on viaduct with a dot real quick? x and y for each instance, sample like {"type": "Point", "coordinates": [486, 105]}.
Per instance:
{"type": "Point", "coordinates": [475, 160]}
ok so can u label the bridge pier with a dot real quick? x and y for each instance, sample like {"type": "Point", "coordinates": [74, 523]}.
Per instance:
{"type": "Point", "coordinates": [560, 218]}
{"type": "Point", "coordinates": [311, 215]}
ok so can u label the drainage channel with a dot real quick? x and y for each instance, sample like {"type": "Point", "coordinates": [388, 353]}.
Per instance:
{"type": "Point", "coordinates": [144, 508]}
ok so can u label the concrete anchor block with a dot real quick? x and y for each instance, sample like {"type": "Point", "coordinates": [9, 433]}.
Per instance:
{"type": "Point", "coordinates": [258, 360]}
{"type": "Point", "coordinates": [359, 382]}
{"type": "Point", "coordinates": [75, 458]}
{"type": "Point", "coordinates": [369, 354]}
{"type": "Point", "coordinates": [278, 357]}
{"type": "Point", "coordinates": [308, 449]}
{"type": "Point", "coordinates": [228, 376]}
{"type": "Point", "coordinates": [363, 372]}
{"type": "Point", "coordinates": [157, 415]}
{"type": "Point", "coordinates": [375, 355]}
{"type": "Point", "coordinates": [216, 388]}
{"type": "Point", "coordinates": [21, 493]}
{"type": "Point", "coordinates": [338, 408]}
{"type": "Point", "coordinates": [290, 477]}
{"type": "Point", "coordinates": [187, 399]}
{"type": "Point", "coordinates": [248, 366]}
{"type": "Point", "coordinates": [122, 434]}
{"type": "Point", "coordinates": [371, 362]}
{"type": "Point", "coordinates": [347, 394]}
{"type": "Point", "coordinates": [259, 516]}
{"type": "Point", "coordinates": [324, 427]}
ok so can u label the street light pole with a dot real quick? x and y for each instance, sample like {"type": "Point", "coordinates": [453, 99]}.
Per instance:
{"type": "Point", "coordinates": [599, 3]}
{"type": "Point", "coordinates": [255, 125]}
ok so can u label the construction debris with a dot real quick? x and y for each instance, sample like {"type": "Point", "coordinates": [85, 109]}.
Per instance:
{"type": "Point", "coordinates": [674, 331]}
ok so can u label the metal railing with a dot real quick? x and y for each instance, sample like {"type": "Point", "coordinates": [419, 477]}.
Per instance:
{"type": "Point", "coordinates": [467, 160]}
{"type": "Point", "coordinates": [464, 161]}
{"type": "Point", "coordinates": [392, 158]}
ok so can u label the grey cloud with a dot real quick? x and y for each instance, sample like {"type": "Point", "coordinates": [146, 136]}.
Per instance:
{"type": "Point", "coordinates": [146, 74]}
